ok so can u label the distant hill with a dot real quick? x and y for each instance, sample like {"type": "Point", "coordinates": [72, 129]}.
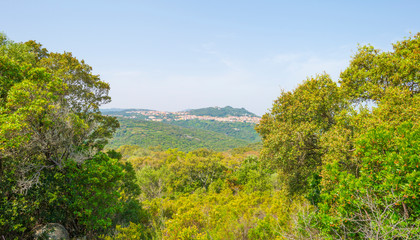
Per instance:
{"type": "Point", "coordinates": [151, 134]}
{"type": "Point", "coordinates": [221, 112]}
{"type": "Point", "coordinates": [213, 128]}
{"type": "Point", "coordinates": [240, 130]}
{"type": "Point", "coordinates": [226, 114]}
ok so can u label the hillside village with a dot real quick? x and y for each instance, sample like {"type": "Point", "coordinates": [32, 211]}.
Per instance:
{"type": "Point", "coordinates": [160, 116]}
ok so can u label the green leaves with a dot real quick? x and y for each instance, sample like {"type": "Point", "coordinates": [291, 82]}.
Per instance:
{"type": "Point", "coordinates": [387, 185]}
{"type": "Point", "coordinates": [361, 160]}
{"type": "Point", "coordinates": [51, 131]}
{"type": "Point", "coordinates": [298, 119]}
{"type": "Point", "coordinates": [369, 172]}
{"type": "Point", "coordinates": [372, 72]}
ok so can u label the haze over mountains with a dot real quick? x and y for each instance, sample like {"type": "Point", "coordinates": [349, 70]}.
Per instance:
{"type": "Point", "coordinates": [214, 128]}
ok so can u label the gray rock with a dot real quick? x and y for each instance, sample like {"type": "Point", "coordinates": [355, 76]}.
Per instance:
{"type": "Point", "coordinates": [53, 231]}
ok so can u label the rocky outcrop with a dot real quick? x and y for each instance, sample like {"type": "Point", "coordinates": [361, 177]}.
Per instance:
{"type": "Point", "coordinates": [52, 231]}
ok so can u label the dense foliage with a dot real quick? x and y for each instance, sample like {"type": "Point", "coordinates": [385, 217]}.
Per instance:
{"type": "Point", "coordinates": [212, 195]}
{"type": "Point", "coordinates": [239, 130]}
{"type": "Point", "coordinates": [51, 135]}
{"type": "Point", "coordinates": [354, 145]}
{"type": "Point", "coordinates": [291, 132]}
{"type": "Point", "coordinates": [152, 134]}
{"type": "Point", "coordinates": [339, 160]}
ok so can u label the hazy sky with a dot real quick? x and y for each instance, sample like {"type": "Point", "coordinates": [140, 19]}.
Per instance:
{"type": "Point", "coordinates": [175, 55]}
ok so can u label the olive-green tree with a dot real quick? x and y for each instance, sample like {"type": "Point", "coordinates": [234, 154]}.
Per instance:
{"type": "Point", "coordinates": [51, 134]}
{"type": "Point", "coordinates": [291, 132]}
{"type": "Point", "coordinates": [372, 71]}
{"type": "Point", "coordinates": [50, 108]}
{"type": "Point", "coordinates": [369, 187]}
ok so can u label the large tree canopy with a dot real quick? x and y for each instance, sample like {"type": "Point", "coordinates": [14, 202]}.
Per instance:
{"type": "Point", "coordinates": [51, 135]}
{"type": "Point", "coordinates": [49, 109]}
{"type": "Point", "coordinates": [352, 147]}
{"type": "Point", "coordinates": [292, 131]}
{"type": "Point", "coordinates": [371, 71]}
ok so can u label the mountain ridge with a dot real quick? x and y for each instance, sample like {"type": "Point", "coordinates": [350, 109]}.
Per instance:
{"type": "Point", "coordinates": [207, 111]}
{"type": "Point", "coordinates": [214, 128]}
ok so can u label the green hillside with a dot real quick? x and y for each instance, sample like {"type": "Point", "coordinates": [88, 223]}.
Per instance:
{"type": "Point", "coordinates": [239, 130]}
{"type": "Point", "coordinates": [221, 112]}
{"type": "Point", "coordinates": [151, 134]}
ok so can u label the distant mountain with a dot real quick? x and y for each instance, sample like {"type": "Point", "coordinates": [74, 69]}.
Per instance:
{"type": "Point", "coordinates": [222, 112]}
{"type": "Point", "coordinates": [213, 128]}
{"type": "Point", "coordinates": [152, 134]}
{"type": "Point", "coordinates": [226, 114]}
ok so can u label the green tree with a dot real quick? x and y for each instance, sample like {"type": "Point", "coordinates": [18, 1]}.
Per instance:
{"type": "Point", "coordinates": [84, 94]}
{"type": "Point", "coordinates": [252, 176]}
{"type": "Point", "coordinates": [381, 201]}
{"type": "Point", "coordinates": [371, 71]}
{"type": "Point", "coordinates": [49, 109]}
{"type": "Point", "coordinates": [195, 171]}
{"type": "Point", "coordinates": [51, 132]}
{"type": "Point", "coordinates": [36, 131]}
{"type": "Point", "coordinates": [291, 132]}
{"type": "Point", "coordinates": [369, 182]}
{"type": "Point", "coordinates": [16, 51]}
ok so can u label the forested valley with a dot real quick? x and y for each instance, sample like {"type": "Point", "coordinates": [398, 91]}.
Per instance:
{"type": "Point", "coordinates": [337, 159]}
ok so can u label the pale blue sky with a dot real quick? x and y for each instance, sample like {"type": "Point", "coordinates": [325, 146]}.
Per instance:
{"type": "Point", "coordinates": [174, 55]}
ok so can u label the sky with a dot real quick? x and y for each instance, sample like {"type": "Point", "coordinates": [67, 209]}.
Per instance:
{"type": "Point", "coordinates": [186, 54]}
